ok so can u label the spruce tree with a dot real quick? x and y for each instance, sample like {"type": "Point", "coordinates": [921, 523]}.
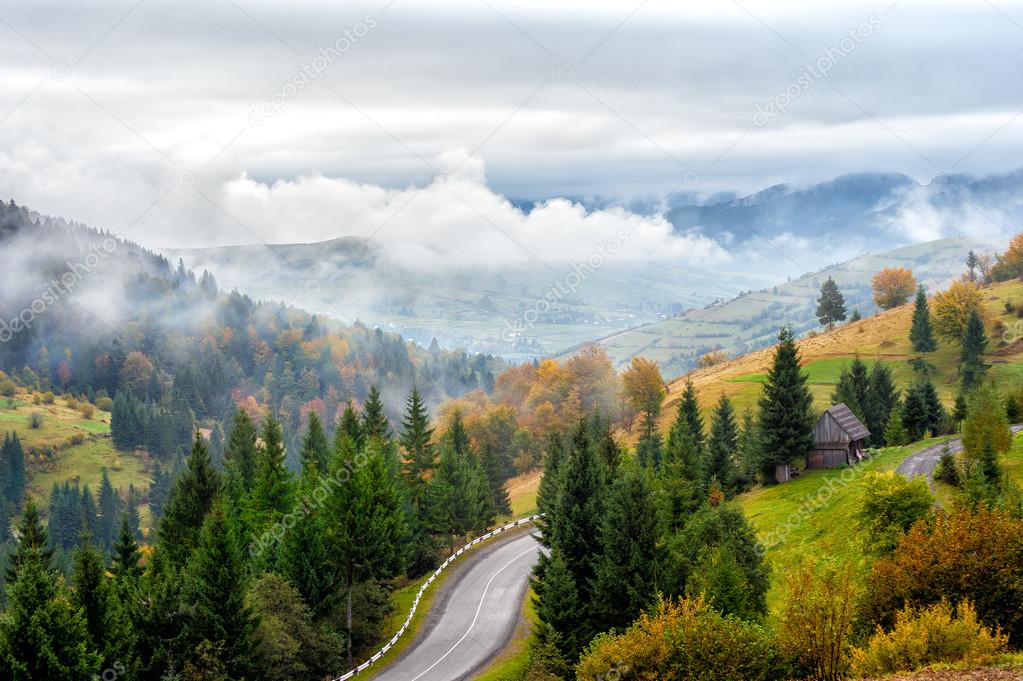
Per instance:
{"type": "Point", "coordinates": [126, 552]}
{"type": "Point", "coordinates": [749, 450]}
{"type": "Point", "coordinates": [33, 541]}
{"type": "Point", "coordinates": [921, 335]}
{"type": "Point", "coordinates": [492, 469]}
{"type": "Point", "coordinates": [974, 343]}
{"type": "Point", "coordinates": [214, 584]}
{"type": "Point", "coordinates": [315, 448]}
{"type": "Point", "coordinates": [110, 509]}
{"type": "Point", "coordinates": [549, 488]}
{"type": "Point", "coordinates": [240, 452]}
{"type": "Point", "coordinates": [190, 500]}
{"type": "Point", "coordinates": [374, 423]}
{"type": "Point", "coordinates": [42, 635]}
{"type": "Point", "coordinates": [884, 398]}
{"type": "Point", "coordinates": [350, 426]}
{"type": "Point", "coordinates": [830, 304]}
{"type": "Point", "coordinates": [416, 440]}
{"type": "Point", "coordinates": [217, 445]}
{"type": "Point", "coordinates": [109, 632]}
{"type": "Point", "coordinates": [461, 499]}
{"type": "Point", "coordinates": [722, 446]}
{"type": "Point", "coordinates": [626, 581]}
{"type": "Point", "coordinates": [895, 434]}
{"type": "Point", "coordinates": [689, 409]}
{"type": "Point", "coordinates": [853, 389]}
{"type": "Point", "coordinates": [786, 409]}
{"type": "Point", "coordinates": [12, 459]}
{"type": "Point", "coordinates": [272, 492]}
{"type": "Point", "coordinates": [367, 523]}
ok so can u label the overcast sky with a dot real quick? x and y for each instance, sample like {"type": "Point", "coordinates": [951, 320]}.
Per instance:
{"type": "Point", "coordinates": [240, 121]}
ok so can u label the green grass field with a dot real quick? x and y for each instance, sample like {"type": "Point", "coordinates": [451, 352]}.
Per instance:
{"type": "Point", "coordinates": [814, 515]}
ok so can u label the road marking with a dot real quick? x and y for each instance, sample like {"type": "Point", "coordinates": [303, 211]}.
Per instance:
{"type": "Point", "coordinates": [478, 609]}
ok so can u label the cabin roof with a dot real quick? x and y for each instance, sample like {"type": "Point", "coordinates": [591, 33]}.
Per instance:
{"type": "Point", "coordinates": [847, 421]}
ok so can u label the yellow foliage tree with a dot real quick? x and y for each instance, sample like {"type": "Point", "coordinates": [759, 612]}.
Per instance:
{"type": "Point", "coordinates": [892, 287]}
{"type": "Point", "coordinates": [952, 307]}
{"type": "Point", "coordinates": [644, 387]}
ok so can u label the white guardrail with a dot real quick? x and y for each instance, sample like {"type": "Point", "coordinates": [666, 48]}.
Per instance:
{"type": "Point", "coordinates": [415, 604]}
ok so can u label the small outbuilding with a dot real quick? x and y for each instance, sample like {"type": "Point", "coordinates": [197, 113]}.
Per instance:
{"type": "Point", "coordinates": [841, 439]}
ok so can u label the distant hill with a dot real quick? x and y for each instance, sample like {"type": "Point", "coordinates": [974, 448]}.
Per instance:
{"type": "Point", "coordinates": [751, 321]}
{"type": "Point", "coordinates": [863, 211]}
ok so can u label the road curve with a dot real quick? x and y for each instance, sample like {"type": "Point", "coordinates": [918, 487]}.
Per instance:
{"type": "Point", "coordinates": [924, 461]}
{"type": "Point", "coordinates": [472, 620]}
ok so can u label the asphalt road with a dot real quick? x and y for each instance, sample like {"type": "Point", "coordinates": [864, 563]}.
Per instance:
{"type": "Point", "coordinates": [472, 618]}
{"type": "Point", "coordinates": [924, 461]}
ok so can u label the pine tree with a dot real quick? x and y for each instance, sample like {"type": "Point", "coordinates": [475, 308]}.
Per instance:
{"type": "Point", "coordinates": [626, 582]}
{"type": "Point", "coordinates": [367, 527]}
{"type": "Point", "coordinates": [126, 552]}
{"type": "Point", "coordinates": [416, 436]}
{"type": "Point", "coordinates": [830, 304]}
{"type": "Point", "coordinates": [558, 609]}
{"type": "Point", "coordinates": [974, 343]}
{"type": "Point", "coordinates": [374, 423]}
{"type": "Point", "coordinates": [42, 635]}
{"type": "Point", "coordinates": [853, 389]}
{"type": "Point", "coordinates": [110, 509]}
{"type": "Point", "coordinates": [272, 492]}
{"type": "Point", "coordinates": [972, 262]}
{"type": "Point", "coordinates": [131, 509]}
{"type": "Point", "coordinates": [921, 335]}
{"type": "Point", "coordinates": [240, 452]}
{"type": "Point", "coordinates": [89, 515]}
{"type": "Point", "coordinates": [190, 500]}
{"type": "Point", "coordinates": [214, 583]}
{"type": "Point", "coordinates": [689, 409]}
{"type": "Point", "coordinates": [109, 632]}
{"type": "Point", "coordinates": [786, 409]}
{"type": "Point", "coordinates": [217, 446]}
{"type": "Point", "coordinates": [492, 469]}
{"type": "Point", "coordinates": [575, 536]}
{"type": "Point", "coordinates": [350, 426]}
{"type": "Point", "coordinates": [722, 446]}
{"type": "Point", "coordinates": [884, 398]}
{"type": "Point", "coordinates": [549, 488]}
{"type": "Point", "coordinates": [461, 500]}
{"type": "Point", "coordinates": [315, 448]}
{"type": "Point", "coordinates": [12, 459]}
{"type": "Point", "coordinates": [159, 490]}
{"type": "Point", "coordinates": [749, 450]}
{"type": "Point", "coordinates": [33, 541]}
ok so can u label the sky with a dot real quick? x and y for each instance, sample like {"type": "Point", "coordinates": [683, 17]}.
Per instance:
{"type": "Point", "coordinates": [214, 122]}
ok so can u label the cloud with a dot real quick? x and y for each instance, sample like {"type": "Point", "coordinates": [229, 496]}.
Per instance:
{"type": "Point", "coordinates": [454, 220]}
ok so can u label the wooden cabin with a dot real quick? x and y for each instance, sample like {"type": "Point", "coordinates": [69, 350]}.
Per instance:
{"type": "Point", "coordinates": [841, 439]}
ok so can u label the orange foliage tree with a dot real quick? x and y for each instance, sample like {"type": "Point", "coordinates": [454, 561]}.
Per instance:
{"type": "Point", "coordinates": [892, 287]}
{"type": "Point", "coordinates": [974, 555]}
{"type": "Point", "coordinates": [952, 307]}
{"type": "Point", "coordinates": [644, 387]}
{"type": "Point", "coordinates": [1010, 263]}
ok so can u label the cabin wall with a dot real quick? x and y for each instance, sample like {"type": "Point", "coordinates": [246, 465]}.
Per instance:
{"type": "Point", "coordinates": [827, 458]}
{"type": "Point", "coordinates": [828, 430]}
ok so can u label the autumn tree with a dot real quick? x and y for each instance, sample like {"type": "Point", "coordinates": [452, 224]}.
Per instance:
{"type": "Point", "coordinates": [952, 308]}
{"type": "Point", "coordinates": [986, 433]}
{"type": "Point", "coordinates": [644, 389]}
{"type": "Point", "coordinates": [892, 287]}
{"type": "Point", "coordinates": [1010, 264]}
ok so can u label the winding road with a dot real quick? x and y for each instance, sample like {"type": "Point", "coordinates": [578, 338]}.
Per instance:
{"type": "Point", "coordinates": [473, 616]}
{"type": "Point", "coordinates": [924, 461]}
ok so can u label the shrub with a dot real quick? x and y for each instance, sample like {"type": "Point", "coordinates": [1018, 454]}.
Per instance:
{"type": "Point", "coordinates": [87, 410]}
{"type": "Point", "coordinates": [71, 401]}
{"type": "Point", "coordinates": [890, 506]}
{"type": "Point", "coordinates": [969, 554]}
{"type": "Point", "coordinates": [929, 636]}
{"type": "Point", "coordinates": [685, 641]}
{"type": "Point", "coordinates": [77, 438]}
{"type": "Point", "coordinates": [817, 619]}
{"type": "Point", "coordinates": [48, 398]}
{"type": "Point", "coordinates": [7, 388]}
{"type": "Point", "coordinates": [711, 359]}
{"type": "Point", "coordinates": [104, 403]}
{"type": "Point", "coordinates": [35, 420]}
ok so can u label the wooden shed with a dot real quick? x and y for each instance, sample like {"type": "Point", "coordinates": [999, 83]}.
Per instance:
{"type": "Point", "coordinates": [840, 439]}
